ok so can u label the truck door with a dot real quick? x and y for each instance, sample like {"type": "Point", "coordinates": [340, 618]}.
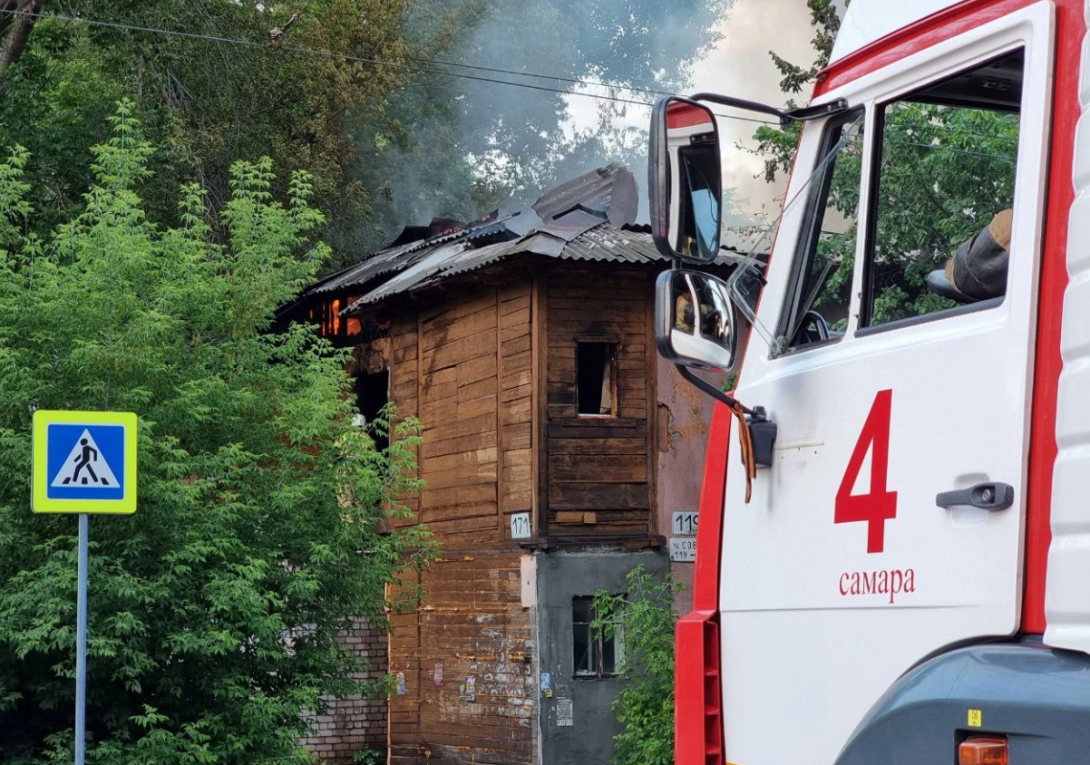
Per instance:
{"type": "Point", "coordinates": [844, 570]}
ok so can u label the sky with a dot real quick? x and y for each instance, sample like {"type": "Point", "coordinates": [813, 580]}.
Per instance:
{"type": "Point", "coordinates": [740, 66]}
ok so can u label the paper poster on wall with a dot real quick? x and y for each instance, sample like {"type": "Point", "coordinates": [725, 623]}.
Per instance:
{"type": "Point", "coordinates": [400, 683]}
{"type": "Point", "coordinates": [438, 675]}
{"type": "Point", "coordinates": [565, 713]}
{"type": "Point", "coordinates": [467, 691]}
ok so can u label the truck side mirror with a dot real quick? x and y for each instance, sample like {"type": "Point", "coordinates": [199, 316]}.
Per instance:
{"type": "Point", "coordinates": [685, 180]}
{"type": "Point", "coordinates": [694, 320]}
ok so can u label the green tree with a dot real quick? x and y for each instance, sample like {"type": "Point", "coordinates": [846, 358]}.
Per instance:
{"type": "Point", "coordinates": [385, 144]}
{"type": "Point", "coordinates": [215, 609]}
{"type": "Point", "coordinates": [778, 145]}
{"type": "Point", "coordinates": [643, 620]}
{"type": "Point", "coordinates": [203, 103]}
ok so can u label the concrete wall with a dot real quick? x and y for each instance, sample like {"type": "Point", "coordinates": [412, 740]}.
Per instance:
{"type": "Point", "coordinates": [562, 576]}
{"type": "Point", "coordinates": [684, 416]}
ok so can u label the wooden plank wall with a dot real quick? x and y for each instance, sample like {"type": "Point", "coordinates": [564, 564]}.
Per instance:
{"type": "Point", "coordinates": [599, 470]}
{"type": "Point", "coordinates": [404, 641]}
{"type": "Point", "coordinates": [464, 368]}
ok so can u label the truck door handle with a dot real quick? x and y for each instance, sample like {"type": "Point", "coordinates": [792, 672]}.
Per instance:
{"type": "Point", "coordinates": [987, 496]}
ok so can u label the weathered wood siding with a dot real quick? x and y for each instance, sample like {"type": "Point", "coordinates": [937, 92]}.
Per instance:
{"type": "Point", "coordinates": [465, 369]}
{"type": "Point", "coordinates": [599, 470]}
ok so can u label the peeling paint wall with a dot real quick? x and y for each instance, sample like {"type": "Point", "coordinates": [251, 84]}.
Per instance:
{"type": "Point", "coordinates": [684, 416]}
{"type": "Point", "coordinates": [464, 663]}
{"type": "Point", "coordinates": [463, 659]}
{"type": "Point", "coordinates": [585, 702]}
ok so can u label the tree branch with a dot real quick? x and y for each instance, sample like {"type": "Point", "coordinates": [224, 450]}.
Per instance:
{"type": "Point", "coordinates": [7, 8]}
{"type": "Point", "coordinates": [21, 21]}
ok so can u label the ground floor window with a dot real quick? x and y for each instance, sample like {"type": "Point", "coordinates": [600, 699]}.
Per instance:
{"type": "Point", "coordinates": [597, 652]}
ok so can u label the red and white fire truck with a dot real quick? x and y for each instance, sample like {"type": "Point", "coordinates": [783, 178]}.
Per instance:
{"type": "Point", "coordinates": [909, 581]}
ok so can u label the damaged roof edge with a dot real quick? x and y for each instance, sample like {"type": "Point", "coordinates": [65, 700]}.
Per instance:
{"type": "Point", "coordinates": [602, 244]}
{"type": "Point", "coordinates": [589, 218]}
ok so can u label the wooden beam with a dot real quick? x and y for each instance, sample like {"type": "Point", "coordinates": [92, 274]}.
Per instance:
{"type": "Point", "coordinates": [500, 440]}
{"type": "Point", "coordinates": [539, 366]}
{"type": "Point", "coordinates": [652, 358]}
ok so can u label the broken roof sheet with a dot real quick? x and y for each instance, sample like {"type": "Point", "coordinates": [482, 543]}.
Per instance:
{"type": "Point", "coordinates": [588, 218]}
{"type": "Point", "coordinates": [601, 243]}
{"type": "Point", "coordinates": [612, 190]}
{"type": "Point", "coordinates": [406, 255]}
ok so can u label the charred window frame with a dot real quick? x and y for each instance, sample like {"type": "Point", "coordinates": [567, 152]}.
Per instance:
{"type": "Point", "coordinates": [332, 326]}
{"type": "Point", "coordinates": [596, 376]}
{"type": "Point", "coordinates": [595, 655]}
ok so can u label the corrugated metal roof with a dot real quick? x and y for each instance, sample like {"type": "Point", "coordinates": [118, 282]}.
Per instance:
{"type": "Point", "coordinates": [611, 189]}
{"type": "Point", "coordinates": [404, 256]}
{"type": "Point", "coordinates": [603, 243]}
{"type": "Point", "coordinates": [585, 219]}
{"type": "Point", "coordinates": [439, 265]}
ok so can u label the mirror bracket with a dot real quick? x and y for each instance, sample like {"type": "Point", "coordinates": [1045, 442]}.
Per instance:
{"type": "Point", "coordinates": [803, 114]}
{"type": "Point", "coordinates": [741, 103]}
{"type": "Point", "coordinates": [708, 388]}
{"type": "Point", "coordinates": [806, 113]}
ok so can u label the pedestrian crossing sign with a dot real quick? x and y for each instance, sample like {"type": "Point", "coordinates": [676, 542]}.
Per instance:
{"type": "Point", "coordinates": [84, 462]}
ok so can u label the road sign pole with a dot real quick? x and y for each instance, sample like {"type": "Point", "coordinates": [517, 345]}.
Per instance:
{"type": "Point", "coordinates": [81, 638]}
{"type": "Point", "coordinates": [83, 462]}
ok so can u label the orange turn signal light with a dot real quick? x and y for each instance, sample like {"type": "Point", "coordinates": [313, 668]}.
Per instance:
{"type": "Point", "coordinates": [981, 750]}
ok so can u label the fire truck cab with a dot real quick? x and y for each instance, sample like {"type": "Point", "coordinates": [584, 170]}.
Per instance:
{"type": "Point", "coordinates": [910, 579]}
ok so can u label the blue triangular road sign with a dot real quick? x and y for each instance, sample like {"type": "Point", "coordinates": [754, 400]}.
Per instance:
{"type": "Point", "coordinates": [86, 466]}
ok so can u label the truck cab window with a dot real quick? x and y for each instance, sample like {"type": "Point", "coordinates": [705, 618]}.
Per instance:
{"type": "Point", "coordinates": [821, 286]}
{"type": "Point", "coordinates": [945, 173]}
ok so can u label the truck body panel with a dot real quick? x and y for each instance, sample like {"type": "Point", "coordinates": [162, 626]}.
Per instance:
{"type": "Point", "coordinates": [843, 577]}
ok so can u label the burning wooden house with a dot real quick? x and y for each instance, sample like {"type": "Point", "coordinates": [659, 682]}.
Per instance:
{"type": "Point", "coordinates": [556, 448]}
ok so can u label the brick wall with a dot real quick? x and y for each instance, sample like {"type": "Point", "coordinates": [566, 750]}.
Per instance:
{"type": "Point", "coordinates": [354, 723]}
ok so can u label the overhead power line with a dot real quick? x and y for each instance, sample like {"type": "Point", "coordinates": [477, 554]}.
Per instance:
{"type": "Point", "coordinates": [396, 65]}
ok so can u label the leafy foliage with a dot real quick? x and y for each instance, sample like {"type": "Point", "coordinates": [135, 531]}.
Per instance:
{"type": "Point", "coordinates": [945, 172]}
{"type": "Point", "coordinates": [384, 144]}
{"type": "Point", "coordinates": [205, 104]}
{"type": "Point", "coordinates": [779, 144]}
{"type": "Point", "coordinates": [214, 610]}
{"type": "Point", "coordinates": [645, 621]}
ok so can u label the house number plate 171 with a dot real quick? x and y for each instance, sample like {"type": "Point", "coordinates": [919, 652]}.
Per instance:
{"type": "Point", "coordinates": [520, 526]}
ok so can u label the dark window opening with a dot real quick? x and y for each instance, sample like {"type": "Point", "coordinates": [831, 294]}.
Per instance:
{"type": "Point", "coordinates": [372, 395]}
{"type": "Point", "coordinates": [597, 381]}
{"type": "Point", "coordinates": [597, 653]}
